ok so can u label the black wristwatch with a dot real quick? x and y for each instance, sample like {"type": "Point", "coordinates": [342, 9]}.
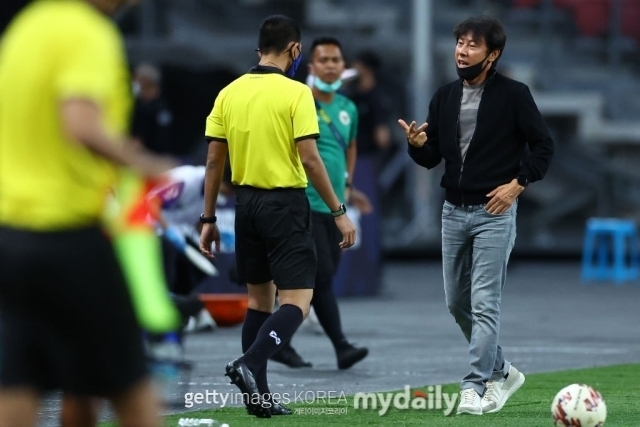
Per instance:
{"type": "Point", "coordinates": [208, 219]}
{"type": "Point", "coordinates": [341, 211]}
{"type": "Point", "coordinates": [523, 181]}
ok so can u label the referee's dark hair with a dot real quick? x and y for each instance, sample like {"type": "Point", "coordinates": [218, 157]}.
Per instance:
{"type": "Point", "coordinates": [276, 32]}
{"type": "Point", "coordinates": [321, 41]}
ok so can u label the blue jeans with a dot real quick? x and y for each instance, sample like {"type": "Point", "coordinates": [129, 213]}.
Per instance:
{"type": "Point", "coordinates": [475, 251]}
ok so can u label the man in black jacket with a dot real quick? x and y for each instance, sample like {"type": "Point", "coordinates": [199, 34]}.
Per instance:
{"type": "Point", "coordinates": [480, 125]}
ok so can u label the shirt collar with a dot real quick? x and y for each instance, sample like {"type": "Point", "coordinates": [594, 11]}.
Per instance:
{"type": "Point", "coordinates": [265, 69]}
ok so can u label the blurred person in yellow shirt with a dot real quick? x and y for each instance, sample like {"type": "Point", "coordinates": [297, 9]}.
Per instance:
{"type": "Point", "coordinates": [67, 317]}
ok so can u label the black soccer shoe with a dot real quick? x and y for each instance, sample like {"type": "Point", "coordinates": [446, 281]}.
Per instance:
{"type": "Point", "coordinates": [275, 409]}
{"type": "Point", "coordinates": [349, 356]}
{"type": "Point", "coordinates": [243, 378]}
{"type": "Point", "coordinates": [279, 409]}
{"type": "Point", "coordinates": [288, 356]}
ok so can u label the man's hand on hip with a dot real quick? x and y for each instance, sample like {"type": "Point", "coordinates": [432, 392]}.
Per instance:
{"type": "Point", "coordinates": [503, 197]}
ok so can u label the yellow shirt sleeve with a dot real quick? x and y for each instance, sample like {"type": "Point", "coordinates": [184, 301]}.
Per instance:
{"type": "Point", "coordinates": [88, 64]}
{"type": "Point", "coordinates": [214, 128]}
{"type": "Point", "coordinates": [304, 117]}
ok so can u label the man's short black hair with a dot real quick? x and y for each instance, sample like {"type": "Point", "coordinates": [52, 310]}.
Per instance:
{"type": "Point", "coordinates": [484, 28]}
{"type": "Point", "coordinates": [321, 41]}
{"type": "Point", "coordinates": [276, 32]}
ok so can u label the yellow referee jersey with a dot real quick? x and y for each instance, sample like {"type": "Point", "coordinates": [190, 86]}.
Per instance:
{"type": "Point", "coordinates": [56, 50]}
{"type": "Point", "coordinates": [262, 115]}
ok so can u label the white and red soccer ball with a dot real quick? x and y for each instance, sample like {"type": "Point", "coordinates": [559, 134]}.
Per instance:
{"type": "Point", "coordinates": [578, 405]}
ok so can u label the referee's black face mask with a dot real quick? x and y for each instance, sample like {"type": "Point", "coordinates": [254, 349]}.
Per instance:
{"type": "Point", "coordinates": [295, 62]}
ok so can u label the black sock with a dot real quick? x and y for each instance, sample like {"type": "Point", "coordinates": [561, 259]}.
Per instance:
{"type": "Point", "coordinates": [252, 324]}
{"type": "Point", "coordinates": [274, 333]}
{"type": "Point", "coordinates": [326, 307]}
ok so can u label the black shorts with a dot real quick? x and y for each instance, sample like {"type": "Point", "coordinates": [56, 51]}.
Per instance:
{"type": "Point", "coordinates": [327, 238]}
{"type": "Point", "coordinates": [274, 239]}
{"type": "Point", "coordinates": [66, 318]}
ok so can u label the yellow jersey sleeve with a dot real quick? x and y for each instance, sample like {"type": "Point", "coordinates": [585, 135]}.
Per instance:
{"type": "Point", "coordinates": [214, 129]}
{"type": "Point", "coordinates": [304, 117]}
{"type": "Point", "coordinates": [87, 64]}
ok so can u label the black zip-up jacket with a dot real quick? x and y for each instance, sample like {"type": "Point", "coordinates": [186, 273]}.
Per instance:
{"type": "Point", "coordinates": [508, 119]}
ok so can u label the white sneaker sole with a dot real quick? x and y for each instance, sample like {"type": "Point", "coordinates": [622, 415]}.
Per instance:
{"type": "Point", "coordinates": [469, 411]}
{"type": "Point", "coordinates": [506, 397]}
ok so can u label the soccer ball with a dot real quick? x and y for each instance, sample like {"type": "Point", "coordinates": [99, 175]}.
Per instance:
{"type": "Point", "coordinates": [578, 405]}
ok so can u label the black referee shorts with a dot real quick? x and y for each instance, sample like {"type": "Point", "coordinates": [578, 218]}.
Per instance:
{"type": "Point", "coordinates": [66, 319]}
{"type": "Point", "coordinates": [274, 238]}
{"type": "Point", "coordinates": [327, 238]}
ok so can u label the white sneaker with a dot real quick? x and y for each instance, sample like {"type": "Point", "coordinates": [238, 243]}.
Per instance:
{"type": "Point", "coordinates": [470, 402]}
{"type": "Point", "coordinates": [191, 325]}
{"type": "Point", "coordinates": [200, 323]}
{"type": "Point", "coordinates": [204, 321]}
{"type": "Point", "coordinates": [498, 392]}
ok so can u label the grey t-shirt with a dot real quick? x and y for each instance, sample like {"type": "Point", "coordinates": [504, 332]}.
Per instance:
{"type": "Point", "coordinates": [471, 96]}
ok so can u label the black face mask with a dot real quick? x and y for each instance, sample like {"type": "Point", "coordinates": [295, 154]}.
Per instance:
{"type": "Point", "coordinates": [470, 73]}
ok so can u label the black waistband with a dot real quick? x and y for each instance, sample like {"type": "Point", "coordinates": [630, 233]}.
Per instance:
{"type": "Point", "coordinates": [262, 190]}
{"type": "Point", "coordinates": [466, 198]}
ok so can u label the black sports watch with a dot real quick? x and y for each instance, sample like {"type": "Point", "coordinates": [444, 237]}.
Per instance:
{"type": "Point", "coordinates": [523, 181]}
{"type": "Point", "coordinates": [341, 211]}
{"type": "Point", "coordinates": [208, 219]}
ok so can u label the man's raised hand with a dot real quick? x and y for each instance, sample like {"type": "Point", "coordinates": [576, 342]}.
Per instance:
{"type": "Point", "coordinates": [416, 136]}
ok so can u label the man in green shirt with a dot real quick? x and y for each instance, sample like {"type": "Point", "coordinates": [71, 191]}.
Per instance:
{"type": "Point", "coordinates": [338, 122]}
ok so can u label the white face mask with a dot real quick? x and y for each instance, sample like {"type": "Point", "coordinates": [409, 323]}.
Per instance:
{"type": "Point", "coordinates": [135, 88]}
{"type": "Point", "coordinates": [327, 87]}
{"type": "Point", "coordinates": [347, 75]}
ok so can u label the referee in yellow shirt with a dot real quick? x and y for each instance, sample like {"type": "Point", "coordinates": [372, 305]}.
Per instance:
{"type": "Point", "coordinates": [267, 122]}
{"type": "Point", "coordinates": [66, 317]}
